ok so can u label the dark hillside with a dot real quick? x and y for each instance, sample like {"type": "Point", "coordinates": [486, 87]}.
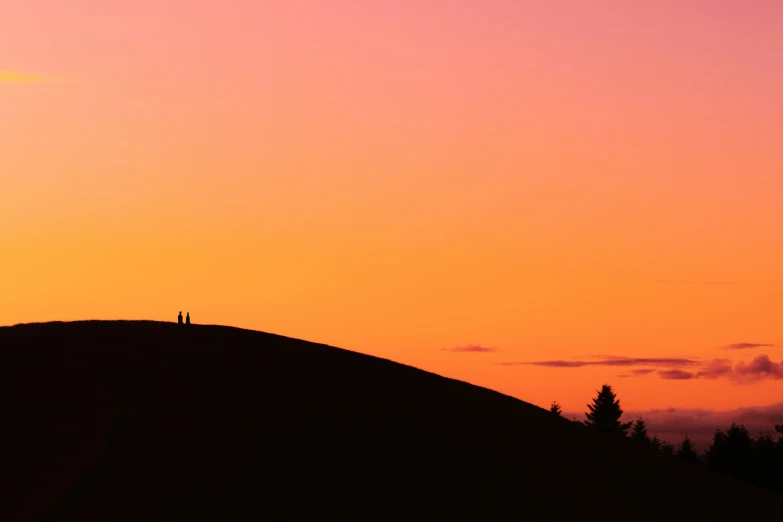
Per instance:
{"type": "Point", "coordinates": [123, 420]}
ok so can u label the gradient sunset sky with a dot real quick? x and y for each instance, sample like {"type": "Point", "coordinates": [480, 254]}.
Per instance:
{"type": "Point", "coordinates": [464, 186]}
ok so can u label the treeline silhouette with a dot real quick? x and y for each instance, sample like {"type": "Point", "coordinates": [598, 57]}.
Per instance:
{"type": "Point", "coordinates": [757, 460]}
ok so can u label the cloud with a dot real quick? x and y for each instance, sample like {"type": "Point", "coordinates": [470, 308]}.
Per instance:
{"type": "Point", "coordinates": [676, 374]}
{"type": "Point", "coordinates": [716, 368]}
{"type": "Point", "coordinates": [611, 361]}
{"type": "Point", "coordinates": [636, 372]}
{"type": "Point", "coordinates": [17, 77]}
{"type": "Point", "coordinates": [672, 282]}
{"type": "Point", "coordinates": [759, 368]}
{"type": "Point", "coordinates": [677, 368]}
{"type": "Point", "coordinates": [471, 348]}
{"type": "Point", "coordinates": [747, 346]}
{"type": "Point", "coordinates": [700, 424]}
{"type": "Point", "coordinates": [552, 364]}
{"type": "Point", "coordinates": [634, 361]}
{"type": "Point", "coordinates": [672, 424]}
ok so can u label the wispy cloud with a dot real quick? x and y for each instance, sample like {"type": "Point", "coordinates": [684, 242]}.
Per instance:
{"type": "Point", "coordinates": [760, 368]}
{"type": "Point", "coordinates": [637, 372]}
{"type": "Point", "coordinates": [18, 77]}
{"type": "Point", "coordinates": [676, 368]}
{"type": "Point", "coordinates": [675, 374]}
{"type": "Point", "coordinates": [674, 282]}
{"type": "Point", "coordinates": [610, 361]}
{"type": "Point", "coordinates": [472, 348]}
{"type": "Point", "coordinates": [746, 346]}
{"type": "Point", "coordinates": [553, 364]}
{"type": "Point", "coordinates": [716, 368]}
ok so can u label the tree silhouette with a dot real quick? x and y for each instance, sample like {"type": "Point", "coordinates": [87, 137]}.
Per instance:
{"type": "Point", "coordinates": [639, 433]}
{"type": "Point", "coordinates": [717, 453]}
{"type": "Point", "coordinates": [730, 453]}
{"type": "Point", "coordinates": [555, 408]}
{"type": "Point", "coordinates": [764, 462]}
{"type": "Point", "coordinates": [655, 443]}
{"type": "Point", "coordinates": [605, 413]}
{"type": "Point", "coordinates": [667, 448]}
{"type": "Point", "coordinates": [779, 464]}
{"type": "Point", "coordinates": [687, 452]}
{"type": "Point", "coordinates": [779, 428]}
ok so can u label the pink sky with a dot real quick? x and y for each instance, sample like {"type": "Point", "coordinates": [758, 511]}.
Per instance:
{"type": "Point", "coordinates": [553, 180]}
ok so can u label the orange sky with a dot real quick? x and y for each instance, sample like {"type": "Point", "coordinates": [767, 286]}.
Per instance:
{"type": "Point", "coordinates": [552, 180]}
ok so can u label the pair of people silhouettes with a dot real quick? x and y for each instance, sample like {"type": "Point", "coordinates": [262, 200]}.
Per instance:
{"type": "Point", "coordinates": [187, 319]}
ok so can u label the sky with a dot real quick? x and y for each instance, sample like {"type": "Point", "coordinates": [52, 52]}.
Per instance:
{"type": "Point", "coordinates": [535, 197]}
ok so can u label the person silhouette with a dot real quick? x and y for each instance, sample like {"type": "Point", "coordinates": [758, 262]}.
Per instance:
{"type": "Point", "coordinates": [179, 318]}
{"type": "Point", "coordinates": [187, 318]}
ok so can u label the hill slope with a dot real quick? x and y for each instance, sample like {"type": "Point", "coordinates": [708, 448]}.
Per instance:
{"type": "Point", "coordinates": [136, 420]}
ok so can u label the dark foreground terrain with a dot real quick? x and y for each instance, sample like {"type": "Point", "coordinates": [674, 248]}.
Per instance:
{"type": "Point", "coordinates": [120, 420]}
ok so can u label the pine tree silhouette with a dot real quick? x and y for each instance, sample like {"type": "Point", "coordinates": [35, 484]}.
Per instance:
{"type": "Point", "coordinates": [639, 433]}
{"type": "Point", "coordinates": [605, 413]}
{"type": "Point", "coordinates": [764, 462]}
{"type": "Point", "coordinates": [667, 448]}
{"type": "Point", "coordinates": [655, 443]}
{"type": "Point", "coordinates": [730, 453]}
{"type": "Point", "coordinates": [555, 408]}
{"type": "Point", "coordinates": [779, 464]}
{"type": "Point", "coordinates": [687, 452]}
{"type": "Point", "coordinates": [717, 454]}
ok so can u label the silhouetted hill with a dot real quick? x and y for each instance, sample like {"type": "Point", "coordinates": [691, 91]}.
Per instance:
{"type": "Point", "coordinates": [124, 420]}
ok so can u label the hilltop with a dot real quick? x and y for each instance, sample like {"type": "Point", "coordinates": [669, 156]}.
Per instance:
{"type": "Point", "coordinates": [140, 420]}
